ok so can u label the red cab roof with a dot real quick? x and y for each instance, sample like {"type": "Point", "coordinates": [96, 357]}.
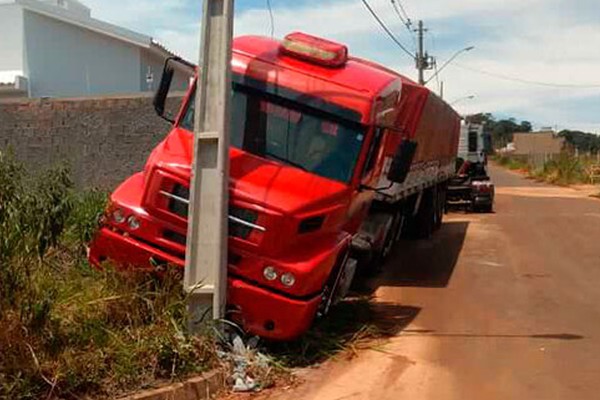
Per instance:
{"type": "Point", "coordinates": [355, 85]}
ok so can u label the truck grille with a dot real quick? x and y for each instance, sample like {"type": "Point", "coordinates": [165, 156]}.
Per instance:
{"type": "Point", "coordinates": [241, 221]}
{"type": "Point", "coordinates": [179, 200]}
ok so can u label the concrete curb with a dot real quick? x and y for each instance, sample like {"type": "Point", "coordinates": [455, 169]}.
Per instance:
{"type": "Point", "coordinates": [203, 387]}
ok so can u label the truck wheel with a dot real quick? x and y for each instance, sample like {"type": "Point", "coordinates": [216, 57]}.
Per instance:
{"type": "Point", "coordinates": [441, 206]}
{"type": "Point", "coordinates": [339, 282]}
{"type": "Point", "coordinates": [421, 226]}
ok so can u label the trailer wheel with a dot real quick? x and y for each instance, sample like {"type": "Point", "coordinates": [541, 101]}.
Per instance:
{"type": "Point", "coordinates": [391, 238]}
{"type": "Point", "coordinates": [422, 225]}
{"type": "Point", "coordinates": [441, 206]}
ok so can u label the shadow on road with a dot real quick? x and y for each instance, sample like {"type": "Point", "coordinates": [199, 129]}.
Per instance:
{"type": "Point", "coordinates": [424, 263]}
{"type": "Point", "coordinates": [546, 336]}
{"type": "Point", "coordinates": [351, 325]}
{"type": "Point", "coordinates": [355, 322]}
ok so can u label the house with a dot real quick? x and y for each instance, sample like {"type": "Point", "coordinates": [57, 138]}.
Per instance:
{"type": "Point", "coordinates": [54, 48]}
{"type": "Point", "coordinates": [544, 142]}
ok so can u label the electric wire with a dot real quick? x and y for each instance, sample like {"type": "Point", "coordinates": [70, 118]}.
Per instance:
{"type": "Point", "coordinates": [387, 30]}
{"type": "Point", "coordinates": [271, 17]}
{"type": "Point", "coordinates": [435, 64]}
{"type": "Point", "coordinates": [404, 12]}
{"type": "Point", "coordinates": [527, 81]}
{"type": "Point", "coordinates": [405, 21]}
{"type": "Point", "coordinates": [437, 76]}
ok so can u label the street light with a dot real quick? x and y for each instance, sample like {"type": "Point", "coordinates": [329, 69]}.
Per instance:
{"type": "Point", "coordinates": [466, 49]}
{"type": "Point", "coordinates": [471, 97]}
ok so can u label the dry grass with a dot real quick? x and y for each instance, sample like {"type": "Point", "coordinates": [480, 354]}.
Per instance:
{"type": "Point", "coordinates": [66, 330]}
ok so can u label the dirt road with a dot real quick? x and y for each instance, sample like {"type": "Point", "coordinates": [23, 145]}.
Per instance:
{"type": "Point", "coordinates": [496, 306]}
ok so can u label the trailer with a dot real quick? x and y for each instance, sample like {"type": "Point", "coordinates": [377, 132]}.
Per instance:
{"type": "Point", "coordinates": [333, 158]}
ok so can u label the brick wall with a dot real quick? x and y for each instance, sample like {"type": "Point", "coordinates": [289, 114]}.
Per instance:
{"type": "Point", "coordinates": [103, 139]}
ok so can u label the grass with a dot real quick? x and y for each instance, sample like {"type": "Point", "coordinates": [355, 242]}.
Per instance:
{"type": "Point", "coordinates": [347, 327]}
{"type": "Point", "coordinates": [566, 169]}
{"type": "Point", "coordinates": [355, 324]}
{"type": "Point", "coordinates": [68, 331]}
{"type": "Point", "coordinates": [514, 164]}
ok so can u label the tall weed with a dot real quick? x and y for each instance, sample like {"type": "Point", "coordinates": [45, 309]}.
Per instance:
{"type": "Point", "coordinates": [70, 331]}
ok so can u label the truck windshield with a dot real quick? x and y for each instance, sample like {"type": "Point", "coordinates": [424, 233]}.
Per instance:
{"type": "Point", "coordinates": [291, 134]}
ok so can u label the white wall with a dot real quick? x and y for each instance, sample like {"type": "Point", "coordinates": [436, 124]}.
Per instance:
{"type": "Point", "coordinates": [11, 37]}
{"type": "Point", "coordinates": [67, 61]}
{"type": "Point", "coordinates": [150, 61]}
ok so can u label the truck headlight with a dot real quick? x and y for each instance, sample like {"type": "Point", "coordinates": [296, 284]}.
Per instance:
{"type": "Point", "coordinates": [288, 279]}
{"type": "Point", "coordinates": [118, 216]}
{"type": "Point", "coordinates": [133, 222]}
{"type": "Point", "coordinates": [270, 273]}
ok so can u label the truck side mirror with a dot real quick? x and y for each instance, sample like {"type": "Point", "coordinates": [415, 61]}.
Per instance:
{"type": "Point", "coordinates": [160, 97]}
{"type": "Point", "coordinates": [402, 161]}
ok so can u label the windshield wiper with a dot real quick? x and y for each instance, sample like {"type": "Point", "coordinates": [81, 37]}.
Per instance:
{"type": "Point", "coordinates": [285, 161]}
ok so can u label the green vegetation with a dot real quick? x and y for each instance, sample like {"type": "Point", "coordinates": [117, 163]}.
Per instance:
{"type": "Point", "coordinates": [566, 169]}
{"type": "Point", "coordinates": [513, 163]}
{"type": "Point", "coordinates": [70, 331]}
{"type": "Point", "coordinates": [582, 141]}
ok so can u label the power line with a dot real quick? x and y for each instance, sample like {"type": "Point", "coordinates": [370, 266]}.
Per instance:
{"type": "Point", "coordinates": [387, 30]}
{"type": "Point", "coordinates": [271, 18]}
{"type": "Point", "coordinates": [404, 12]}
{"type": "Point", "coordinates": [405, 20]}
{"type": "Point", "coordinates": [527, 81]}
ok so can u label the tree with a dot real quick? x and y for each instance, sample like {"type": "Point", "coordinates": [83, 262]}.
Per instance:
{"type": "Point", "coordinates": [501, 131]}
{"type": "Point", "coordinates": [582, 141]}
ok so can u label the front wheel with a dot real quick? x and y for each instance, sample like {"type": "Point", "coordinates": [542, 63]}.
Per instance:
{"type": "Point", "coordinates": [339, 282]}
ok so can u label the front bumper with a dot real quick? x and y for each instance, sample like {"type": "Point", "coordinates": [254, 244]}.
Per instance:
{"type": "Point", "coordinates": [267, 314]}
{"type": "Point", "coordinates": [124, 250]}
{"type": "Point", "coordinates": [482, 200]}
{"type": "Point", "coordinates": [259, 310]}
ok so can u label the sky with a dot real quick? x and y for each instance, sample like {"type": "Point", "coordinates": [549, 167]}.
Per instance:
{"type": "Point", "coordinates": [551, 47]}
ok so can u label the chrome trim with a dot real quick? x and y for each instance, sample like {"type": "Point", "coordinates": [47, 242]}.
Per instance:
{"type": "Point", "coordinates": [231, 217]}
{"type": "Point", "coordinates": [174, 197]}
{"type": "Point", "coordinates": [246, 223]}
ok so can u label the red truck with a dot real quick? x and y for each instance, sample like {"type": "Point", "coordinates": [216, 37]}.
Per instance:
{"type": "Point", "coordinates": [332, 159]}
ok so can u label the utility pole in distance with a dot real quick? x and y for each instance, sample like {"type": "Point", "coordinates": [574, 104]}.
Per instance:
{"type": "Point", "coordinates": [206, 253]}
{"type": "Point", "coordinates": [422, 59]}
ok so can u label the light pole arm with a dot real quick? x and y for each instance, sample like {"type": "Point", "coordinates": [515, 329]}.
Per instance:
{"type": "Point", "coordinates": [448, 62]}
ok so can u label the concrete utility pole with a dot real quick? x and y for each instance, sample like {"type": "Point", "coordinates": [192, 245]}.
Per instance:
{"type": "Point", "coordinates": [422, 63]}
{"type": "Point", "coordinates": [206, 255]}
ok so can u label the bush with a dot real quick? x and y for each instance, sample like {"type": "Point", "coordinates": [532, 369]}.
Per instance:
{"type": "Point", "coordinates": [67, 330]}
{"type": "Point", "coordinates": [565, 170]}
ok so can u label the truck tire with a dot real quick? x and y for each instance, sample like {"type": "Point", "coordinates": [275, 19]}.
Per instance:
{"type": "Point", "coordinates": [371, 264]}
{"type": "Point", "coordinates": [390, 240]}
{"type": "Point", "coordinates": [440, 206]}
{"type": "Point", "coordinates": [421, 225]}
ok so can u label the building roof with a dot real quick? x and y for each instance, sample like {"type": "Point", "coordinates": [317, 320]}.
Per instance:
{"type": "Point", "coordinates": [75, 13]}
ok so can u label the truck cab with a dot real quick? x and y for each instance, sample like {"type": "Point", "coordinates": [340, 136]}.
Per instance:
{"type": "Point", "coordinates": [314, 133]}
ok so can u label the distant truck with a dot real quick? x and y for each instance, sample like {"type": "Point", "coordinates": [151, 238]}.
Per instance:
{"type": "Point", "coordinates": [472, 143]}
{"type": "Point", "coordinates": [472, 185]}
{"type": "Point", "coordinates": [332, 157]}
